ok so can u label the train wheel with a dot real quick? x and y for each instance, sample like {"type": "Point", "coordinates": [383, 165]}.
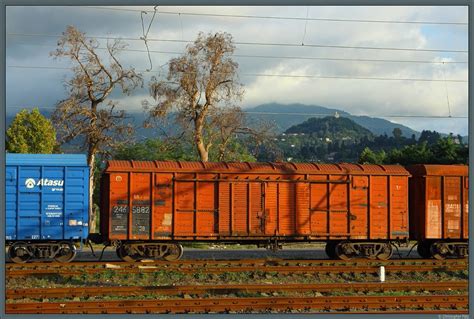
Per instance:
{"type": "Point", "coordinates": [123, 254]}
{"type": "Point", "coordinates": [66, 252]}
{"type": "Point", "coordinates": [341, 253]}
{"type": "Point", "coordinates": [423, 249]}
{"type": "Point", "coordinates": [387, 252]}
{"type": "Point", "coordinates": [174, 252]}
{"type": "Point", "coordinates": [18, 252]}
{"type": "Point", "coordinates": [438, 251]}
{"type": "Point", "coordinates": [331, 249]}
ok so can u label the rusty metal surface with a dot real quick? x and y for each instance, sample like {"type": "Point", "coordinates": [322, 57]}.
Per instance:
{"type": "Point", "coordinates": [439, 202]}
{"type": "Point", "coordinates": [242, 262]}
{"type": "Point", "coordinates": [255, 168]}
{"type": "Point", "coordinates": [39, 293]}
{"type": "Point", "coordinates": [437, 170]}
{"type": "Point", "coordinates": [206, 305]}
{"type": "Point", "coordinates": [225, 201]}
{"type": "Point", "coordinates": [219, 267]}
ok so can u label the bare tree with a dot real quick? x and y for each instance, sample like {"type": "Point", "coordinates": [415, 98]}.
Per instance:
{"type": "Point", "coordinates": [200, 82]}
{"type": "Point", "coordinates": [84, 114]}
{"type": "Point", "coordinates": [228, 125]}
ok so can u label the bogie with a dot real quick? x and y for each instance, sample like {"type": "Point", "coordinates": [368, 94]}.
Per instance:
{"type": "Point", "coordinates": [131, 251]}
{"type": "Point", "coordinates": [442, 250]}
{"type": "Point", "coordinates": [347, 250]}
{"type": "Point", "coordinates": [22, 252]}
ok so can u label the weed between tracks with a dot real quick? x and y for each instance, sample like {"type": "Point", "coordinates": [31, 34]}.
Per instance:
{"type": "Point", "coordinates": [112, 277]}
{"type": "Point", "coordinates": [240, 294]}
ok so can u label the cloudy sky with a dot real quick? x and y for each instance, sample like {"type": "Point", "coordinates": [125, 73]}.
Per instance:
{"type": "Point", "coordinates": [314, 54]}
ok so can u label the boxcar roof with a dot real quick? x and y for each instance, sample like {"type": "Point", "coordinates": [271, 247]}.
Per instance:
{"type": "Point", "coordinates": [46, 159]}
{"type": "Point", "coordinates": [438, 170]}
{"type": "Point", "coordinates": [251, 167]}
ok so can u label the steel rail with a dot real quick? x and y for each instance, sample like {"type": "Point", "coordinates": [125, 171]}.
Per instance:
{"type": "Point", "coordinates": [240, 262]}
{"type": "Point", "coordinates": [219, 270]}
{"type": "Point", "coordinates": [208, 305]}
{"type": "Point", "coordinates": [39, 293]}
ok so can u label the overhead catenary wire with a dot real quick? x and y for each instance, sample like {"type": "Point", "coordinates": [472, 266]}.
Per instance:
{"type": "Point", "coordinates": [224, 15]}
{"type": "Point", "coordinates": [446, 88]}
{"type": "Point", "coordinates": [304, 114]}
{"type": "Point", "coordinates": [282, 75]}
{"type": "Point", "coordinates": [313, 45]}
{"type": "Point", "coordinates": [354, 115]}
{"type": "Point", "coordinates": [145, 34]}
{"type": "Point", "coordinates": [305, 25]}
{"type": "Point", "coordinates": [286, 57]}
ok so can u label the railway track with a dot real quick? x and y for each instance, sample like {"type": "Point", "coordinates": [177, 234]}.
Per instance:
{"type": "Point", "coordinates": [210, 298]}
{"type": "Point", "coordinates": [262, 304]}
{"type": "Point", "coordinates": [246, 263]}
{"type": "Point", "coordinates": [40, 293]}
{"type": "Point", "coordinates": [221, 268]}
{"type": "Point", "coordinates": [252, 262]}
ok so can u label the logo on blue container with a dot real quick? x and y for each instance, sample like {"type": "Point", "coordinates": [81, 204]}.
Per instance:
{"type": "Point", "coordinates": [30, 182]}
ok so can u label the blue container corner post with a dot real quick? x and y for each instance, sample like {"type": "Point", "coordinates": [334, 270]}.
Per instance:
{"type": "Point", "coordinates": [47, 197]}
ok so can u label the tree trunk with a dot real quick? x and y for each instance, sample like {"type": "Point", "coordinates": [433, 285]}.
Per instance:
{"type": "Point", "coordinates": [92, 213]}
{"type": "Point", "coordinates": [201, 148]}
{"type": "Point", "coordinates": [91, 162]}
{"type": "Point", "coordinates": [222, 149]}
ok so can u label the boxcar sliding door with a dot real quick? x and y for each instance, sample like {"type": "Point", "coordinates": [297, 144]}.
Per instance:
{"type": "Point", "coordinates": [329, 210]}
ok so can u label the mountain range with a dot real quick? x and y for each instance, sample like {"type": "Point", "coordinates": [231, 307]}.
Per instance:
{"type": "Point", "coordinates": [333, 127]}
{"type": "Point", "coordinates": [283, 116]}
{"type": "Point", "coordinates": [286, 115]}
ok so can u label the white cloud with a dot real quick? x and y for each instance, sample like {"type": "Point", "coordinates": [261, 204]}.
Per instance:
{"type": "Point", "coordinates": [363, 97]}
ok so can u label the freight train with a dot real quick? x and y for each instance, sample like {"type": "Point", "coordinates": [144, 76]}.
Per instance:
{"type": "Point", "coordinates": [149, 208]}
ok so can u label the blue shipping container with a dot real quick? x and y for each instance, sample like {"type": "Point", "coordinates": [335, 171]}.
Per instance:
{"type": "Point", "coordinates": [47, 197]}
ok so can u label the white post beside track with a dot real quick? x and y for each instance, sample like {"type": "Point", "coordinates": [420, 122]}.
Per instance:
{"type": "Point", "coordinates": [382, 273]}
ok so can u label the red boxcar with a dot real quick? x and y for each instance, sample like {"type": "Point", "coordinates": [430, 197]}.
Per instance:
{"type": "Point", "coordinates": [149, 207]}
{"type": "Point", "coordinates": [439, 209]}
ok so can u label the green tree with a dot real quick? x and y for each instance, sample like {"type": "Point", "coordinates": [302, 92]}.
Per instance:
{"type": "Point", "coordinates": [445, 151]}
{"type": "Point", "coordinates": [431, 137]}
{"type": "Point", "coordinates": [411, 154]}
{"type": "Point", "coordinates": [31, 132]}
{"type": "Point", "coordinates": [235, 151]}
{"type": "Point", "coordinates": [370, 157]}
{"type": "Point", "coordinates": [463, 154]}
{"type": "Point", "coordinates": [397, 133]}
{"type": "Point", "coordinates": [156, 149]}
